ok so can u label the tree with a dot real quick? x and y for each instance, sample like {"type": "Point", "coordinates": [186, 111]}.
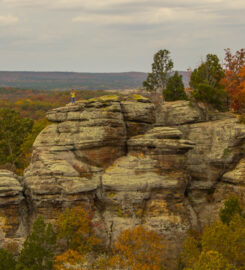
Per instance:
{"type": "Point", "coordinates": [7, 261]}
{"type": "Point", "coordinates": [39, 247]}
{"type": "Point", "coordinates": [228, 240]}
{"type": "Point", "coordinates": [221, 244]}
{"type": "Point", "coordinates": [232, 207]}
{"type": "Point", "coordinates": [68, 260]}
{"type": "Point", "coordinates": [161, 68]}
{"type": "Point", "coordinates": [212, 260]}
{"type": "Point", "coordinates": [175, 89]}
{"type": "Point", "coordinates": [13, 130]}
{"type": "Point", "coordinates": [138, 248]}
{"type": "Point", "coordinates": [76, 233]}
{"type": "Point", "coordinates": [234, 79]}
{"type": "Point", "coordinates": [26, 147]}
{"type": "Point", "coordinates": [205, 82]}
{"type": "Point", "coordinates": [192, 250]}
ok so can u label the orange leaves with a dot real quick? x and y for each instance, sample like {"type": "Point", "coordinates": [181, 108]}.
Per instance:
{"type": "Point", "coordinates": [69, 260]}
{"type": "Point", "coordinates": [234, 80]}
{"type": "Point", "coordinates": [138, 249]}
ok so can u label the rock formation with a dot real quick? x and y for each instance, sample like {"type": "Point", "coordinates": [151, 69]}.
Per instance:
{"type": "Point", "coordinates": [169, 169]}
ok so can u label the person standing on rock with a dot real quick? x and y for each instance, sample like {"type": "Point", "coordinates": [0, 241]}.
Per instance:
{"type": "Point", "coordinates": [73, 95]}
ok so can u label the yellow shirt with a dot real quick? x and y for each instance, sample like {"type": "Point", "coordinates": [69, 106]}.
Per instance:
{"type": "Point", "coordinates": [72, 95]}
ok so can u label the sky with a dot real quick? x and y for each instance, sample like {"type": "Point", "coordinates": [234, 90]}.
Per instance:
{"type": "Point", "coordinates": [115, 35]}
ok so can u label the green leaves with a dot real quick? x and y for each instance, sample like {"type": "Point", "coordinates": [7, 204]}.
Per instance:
{"type": "Point", "coordinates": [221, 245]}
{"type": "Point", "coordinates": [232, 207]}
{"type": "Point", "coordinates": [37, 253]}
{"type": "Point", "coordinates": [13, 130]}
{"type": "Point", "coordinates": [205, 82]}
{"type": "Point", "coordinates": [7, 261]}
{"type": "Point", "coordinates": [161, 69]}
{"type": "Point", "coordinates": [175, 88]}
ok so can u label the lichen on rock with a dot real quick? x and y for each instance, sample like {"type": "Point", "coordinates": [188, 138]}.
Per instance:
{"type": "Point", "coordinates": [168, 169]}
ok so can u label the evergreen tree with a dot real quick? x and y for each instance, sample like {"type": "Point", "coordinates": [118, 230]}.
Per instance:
{"type": "Point", "coordinates": [7, 261]}
{"type": "Point", "coordinates": [39, 247]}
{"type": "Point", "coordinates": [232, 207]}
{"type": "Point", "coordinates": [175, 89]}
{"type": "Point", "coordinates": [161, 69]}
{"type": "Point", "coordinates": [221, 245]}
{"type": "Point", "coordinates": [205, 82]}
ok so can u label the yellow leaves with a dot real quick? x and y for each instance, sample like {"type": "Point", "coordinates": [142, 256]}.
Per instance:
{"type": "Point", "coordinates": [191, 251]}
{"type": "Point", "coordinates": [68, 260]}
{"type": "Point", "coordinates": [228, 240]}
{"type": "Point", "coordinates": [212, 260]}
{"type": "Point", "coordinates": [138, 248]}
{"type": "Point", "coordinates": [76, 229]}
{"type": "Point", "coordinates": [221, 247]}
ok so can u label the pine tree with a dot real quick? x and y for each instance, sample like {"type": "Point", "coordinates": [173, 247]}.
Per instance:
{"type": "Point", "coordinates": [7, 261]}
{"type": "Point", "coordinates": [175, 89]}
{"type": "Point", "coordinates": [205, 82]}
{"type": "Point", "coordinates": [39, 247]}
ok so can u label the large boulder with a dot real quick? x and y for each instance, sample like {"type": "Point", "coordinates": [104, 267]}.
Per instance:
{"type": "Point", "coordinates": [70, 156]}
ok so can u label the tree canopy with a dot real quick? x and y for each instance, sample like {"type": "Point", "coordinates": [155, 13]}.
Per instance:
{"type": "Point", "coordinates": [221, 245]}
{"type": "Point", "coordinates": [13, 130]}
{"type": "Point", "coordinates": [39, 248]}
{"type": "Point", "coordinates": [205, 82]}
{"type": "Point", "coordinates": [161, 69]}
{"type": "Point", "coordinates": [234, 79]}
{"type": "Point", "coordinates": [138, 248]}
{"type": "Point", "coordinates": [175, 89]}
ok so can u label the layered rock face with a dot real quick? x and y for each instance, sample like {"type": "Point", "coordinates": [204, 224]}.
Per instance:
{"type": "Point", "coordinates": [168, 168]}
{"type": "Point", "coordinates": [12, 209]}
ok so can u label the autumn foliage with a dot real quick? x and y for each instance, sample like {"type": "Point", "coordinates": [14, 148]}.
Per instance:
{"type": "Point", "coordinates": [221, 245]}
{"type": "Point", "coordinates": [234, 80]}
{"type": "Point", "coordinates": [76, 235]}
{"type": "Point", "coordinates": [138, 248]}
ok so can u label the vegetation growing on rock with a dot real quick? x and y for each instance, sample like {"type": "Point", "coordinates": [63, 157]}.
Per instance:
{"type": "Point", "coordinates": [221, 245]}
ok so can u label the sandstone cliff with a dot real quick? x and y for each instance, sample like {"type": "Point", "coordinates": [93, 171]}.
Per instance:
{"type": "Point", "coordinates": [169, 169]}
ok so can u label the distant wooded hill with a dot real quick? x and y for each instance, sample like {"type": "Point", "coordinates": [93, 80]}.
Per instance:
{"type": "Point", "coordinates": [68, 80]}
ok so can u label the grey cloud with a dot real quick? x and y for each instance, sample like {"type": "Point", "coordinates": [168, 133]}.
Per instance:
{"type": "Point", "coordinates": [116, 35]}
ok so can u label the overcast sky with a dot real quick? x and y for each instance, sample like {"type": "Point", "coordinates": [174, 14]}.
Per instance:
{"type": "Point", "coordinates": [115, 35]}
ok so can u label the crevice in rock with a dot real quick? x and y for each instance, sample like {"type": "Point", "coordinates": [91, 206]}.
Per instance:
{"type": "Point", "coordinates": [193, 216]}
{"type": "Point", "coordinates": [27, 210]}
{"type": "Point", "coordinates": [126, 129]}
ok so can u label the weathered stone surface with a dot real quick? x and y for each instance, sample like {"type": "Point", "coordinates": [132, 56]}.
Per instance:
{"type": "Point", "coordinates": [178, 113]}
{"type": "Point", "coordinates": [137, 111]}
{"type": "Point", "coordinates": [11, 208]}
{"type": "Point", "coordinates": [70, 155]}
{"type": "Point", "coordinates": [218, 148]}
{"type": "Point", "coordinates": [162, 139]}
{"type": "Point", "coordinates": [108, 154]}
{"type": "Point", "coordinates": [142, 187]}
{"type": "Point", "coordinates": [237, 175]}
{"type": "Point", "coordinates": [10, 188]}
{"type": "Point", "coordinates": [139, 115]}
